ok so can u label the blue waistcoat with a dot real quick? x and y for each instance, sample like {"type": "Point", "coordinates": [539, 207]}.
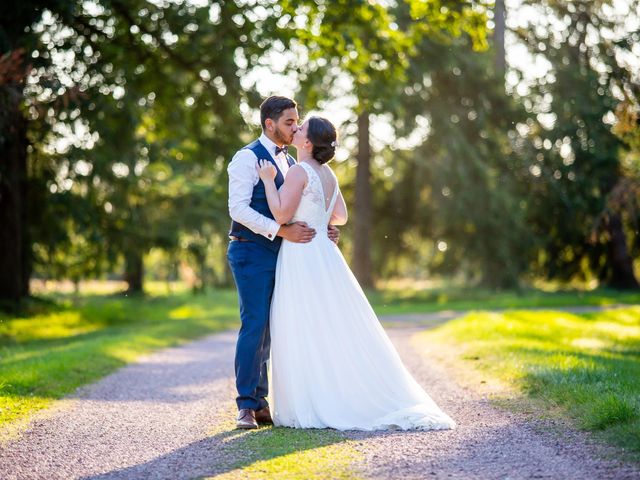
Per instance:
{"type": "Point", "coordinates": [259, 201]}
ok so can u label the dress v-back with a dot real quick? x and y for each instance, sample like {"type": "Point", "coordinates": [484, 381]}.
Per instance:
{"type": "Point", "coordinates": [332, 364]}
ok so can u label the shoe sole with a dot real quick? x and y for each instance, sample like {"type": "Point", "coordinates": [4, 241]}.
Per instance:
{"type": "Point", "coordinates": [246, 427]}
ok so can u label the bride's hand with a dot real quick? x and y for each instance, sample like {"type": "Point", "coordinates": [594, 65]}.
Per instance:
{"type": "Point", "coordinates": [266, 170]}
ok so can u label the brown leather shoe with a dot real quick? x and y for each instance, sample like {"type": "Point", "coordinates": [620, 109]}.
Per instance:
{"type": "Point", "coordinates": [246, 419]}
{"type": "Point", "coordinates": [264, 416]}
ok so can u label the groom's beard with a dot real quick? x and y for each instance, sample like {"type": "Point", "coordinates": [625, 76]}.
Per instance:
{"type": "Point", "coordinates": [282, 138]}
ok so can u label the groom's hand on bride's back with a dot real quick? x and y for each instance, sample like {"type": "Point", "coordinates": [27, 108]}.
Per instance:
{"type": "Point", "coordinates": [298, 232]}
{"type": "Point", "coordinates": [334, 233]}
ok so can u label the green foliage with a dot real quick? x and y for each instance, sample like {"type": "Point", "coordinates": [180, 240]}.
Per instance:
{"type": "Point", "coordinates": [371, 45]}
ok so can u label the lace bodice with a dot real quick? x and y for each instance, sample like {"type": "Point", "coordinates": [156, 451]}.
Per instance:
{"type": "Point", "coordinates": [312, 204]}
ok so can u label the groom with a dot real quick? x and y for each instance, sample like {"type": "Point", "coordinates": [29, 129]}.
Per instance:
{"type": "Point", "coordinates": [255, 240]}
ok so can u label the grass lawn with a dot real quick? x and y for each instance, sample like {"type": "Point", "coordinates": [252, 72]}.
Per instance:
{"type": "Point", "coordinates": [582, 367]}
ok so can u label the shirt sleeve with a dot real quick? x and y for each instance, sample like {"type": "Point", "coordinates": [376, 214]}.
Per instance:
{"type": "Point", "coordinates": [242, 178]}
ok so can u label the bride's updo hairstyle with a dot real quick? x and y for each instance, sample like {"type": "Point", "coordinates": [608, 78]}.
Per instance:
{"type": "Point", "coordinates": [322, 135]}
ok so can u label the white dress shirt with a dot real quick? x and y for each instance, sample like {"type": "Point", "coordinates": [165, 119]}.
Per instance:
{"type": "Point", "coordinates": [242, 178]}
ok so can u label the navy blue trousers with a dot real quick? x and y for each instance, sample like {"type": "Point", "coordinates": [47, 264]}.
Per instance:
{"type": "Point", "coordinates": [254, 271]}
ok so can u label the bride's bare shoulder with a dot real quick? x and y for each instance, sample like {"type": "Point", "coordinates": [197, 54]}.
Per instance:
{"type": "Point", "coordinates": [297, 170]}
{"type": "Point", "coordinates": [297, 174]}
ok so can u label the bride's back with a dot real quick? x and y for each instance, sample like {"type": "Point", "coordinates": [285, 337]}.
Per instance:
{"type": "Point", "coordinates": [318, 198]}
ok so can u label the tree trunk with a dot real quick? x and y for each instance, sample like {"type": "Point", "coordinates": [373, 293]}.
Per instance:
{"type": "Point", "coordinates": [622, 275]}
{"type": "Point", "coordinates": [362, 220]}
{"type": "Point", "coordinates": [134, 271]}
{"type": "Point", "coordinates": [201, 270]}
{"type": "Point", "coordinates": [14, 282]}
{"type": "Point", "coordinates": [499, 17]}
{"type": "Point", "coordinates": [26, 257]}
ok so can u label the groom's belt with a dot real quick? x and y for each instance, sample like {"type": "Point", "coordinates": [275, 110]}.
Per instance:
{"type": "Point", "coordinates": [239, 232]}
{"type": "Point", "coordinates": [245, 234]}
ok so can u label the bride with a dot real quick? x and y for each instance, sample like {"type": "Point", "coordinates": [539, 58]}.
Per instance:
{"type": "Point", "coordinates": [332, 363]}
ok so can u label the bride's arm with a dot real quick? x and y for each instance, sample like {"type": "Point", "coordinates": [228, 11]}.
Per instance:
{"type": "Point", "coordinates": [339, 215]}
{"type": "Point", "coordinates": [283, 203]}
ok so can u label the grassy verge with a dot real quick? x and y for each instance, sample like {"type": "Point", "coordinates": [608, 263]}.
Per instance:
{"type": "Point", "coordinates": [57, 347]}
{"type": "Point", "coordinates": [270, 453]}
{"type": "Point", "coordinates": [397, 302]}
{"type": "Point", "coordinates": [583, 367]}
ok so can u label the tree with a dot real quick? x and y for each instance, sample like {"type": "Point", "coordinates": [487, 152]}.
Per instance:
{"type": "Point", "coordinates": [460, 187]}
{"type": "Point", "coordinates": [361, 44]}
{"type": "Point", "coordinates": [134, 91]}
{"type": "Point", "coordinates": [578, 155]}
{"type": "Point", "coordinates": [499, 19]}
{"type": "Point", "coordinates": [16, 40]}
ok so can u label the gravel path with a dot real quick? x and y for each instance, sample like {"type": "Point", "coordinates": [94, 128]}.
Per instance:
{"type": "Point", "coordinates": [170, 416]}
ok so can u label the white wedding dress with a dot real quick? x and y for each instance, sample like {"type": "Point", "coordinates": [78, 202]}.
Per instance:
{"type": "Point", "coordinates": [332, 364]}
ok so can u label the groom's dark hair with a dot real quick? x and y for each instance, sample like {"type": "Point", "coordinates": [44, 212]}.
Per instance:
{"type": "Point", "coordinates": [273, 107]}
